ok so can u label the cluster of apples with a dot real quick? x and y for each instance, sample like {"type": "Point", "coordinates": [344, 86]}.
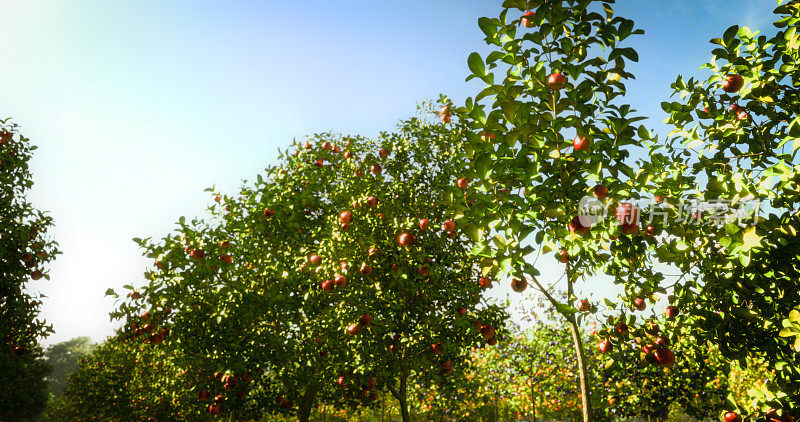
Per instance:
{"type": "Point", "coordinates": [229, 382]}
{"type": "Point", "coordinates": [352, 380]}
{"type": "Point", "coordinates": [147, 325]}
{"type": "Point", "coordinates": [657, 351]}
{"type": "Point", "coordinates": [732, 83]}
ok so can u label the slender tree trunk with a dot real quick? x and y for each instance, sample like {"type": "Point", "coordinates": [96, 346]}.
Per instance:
{"type": "Point", "coordinates": [306, 403]}
{"type": "Point", "coordinates": [402, 393]}
{"type": "Point", "coordinates": [533, 399]}
{"type": "Point", "coordinates": [579, 353]}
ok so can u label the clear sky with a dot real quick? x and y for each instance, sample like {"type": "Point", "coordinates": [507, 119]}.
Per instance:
{"type": "Point", "coordinates": [139, 106]}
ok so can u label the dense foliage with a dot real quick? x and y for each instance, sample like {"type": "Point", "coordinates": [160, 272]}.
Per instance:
{"type": "Point", "coordinates": [25, 249]}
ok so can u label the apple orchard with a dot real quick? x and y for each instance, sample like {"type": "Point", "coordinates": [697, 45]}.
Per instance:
{"type": "Point", "coordinates": [348, 281]}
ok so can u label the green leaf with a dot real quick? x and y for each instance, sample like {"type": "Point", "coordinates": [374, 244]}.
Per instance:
{"type": "Point", "coordinates": [475, 63]}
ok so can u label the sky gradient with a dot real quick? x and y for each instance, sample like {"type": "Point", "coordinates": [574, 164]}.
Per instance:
{"type": "Point", "coordinates": [137, 107]}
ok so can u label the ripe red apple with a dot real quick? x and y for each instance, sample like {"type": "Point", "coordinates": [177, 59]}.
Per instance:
{"type": "Point", "coordinates": [452, 235]}
{"type": "Point", "coordinates": [605, 346]}
{"type": "Point", "coordinates": [659, 198]}
{"type": "Point", "coordinates": [372, 201]}
{"type": "Point", "coordinates": [462, 183]}
{"type": "Point", "coordinates": [383, 152]}
{"type": "Point", "coordinates": [372, 251]}
{"type": "Point", "coordinates": [600, 191]}
{"type": "Point", "coordinates": [639, 304]}
{"type": "Point", "coordinates": [215, 409]}
{"type": "Point", "coordinates": [629, 228]}
{"type": "Point", "coordinates": [563, 257]}
{"type": "Point", "coordinates": [732, 83]}
{"type": "Point", "coordinates": [485, 282]}
{"type": "Point", "coordinates": [664, 357]}
{"type": "Point", "coordinates": [584, 305]}
{"type": "Point", "coordinates": [375, 169]}
{"type": "Point", "coordinates": [519, 284]}
{"type": "Point", "coordinates": [487, 331]}
{"type": "Point", "coordinates": [527, 19]}
{"type": "Point", "coordinates": [226, 258]}
{"type": "Point", "coordinates": [772, 416]}
{"type": "Point", "coordinates": [424, 223]}
{"type": "Point", "coordinates": [406, 239]}
{"type": "Point", "coordinates": [436, 348]}
{"type": "Point", "coordinates": [36, 275]}
{"type": "Point", "coordinates": [579, 225]}
{"type": "Point", "coordinates": [672, 312]}
{"type": "Point", "coordinates": [348, 154]}
{"type": "Point", "coordinates": [344, 227]}
{"type": "Point", "coordinates": [449, 225]}
{"type": "Point", "coordinates": [328, 285]}
{"type": "Point", "coordinates": [225, 244]}
{"type": "Point", "coordinates": [315, 260]}
{"type": "Point", "coordinates": [580, 142]}
{"type": "Point", "coordinates": [366, 269]}
{"type": "Point", "coordinates": [346, 217]}
{"type": "Point", "coordinates": [621, 328]}
{"type": "Point", "coordinates": [365, 320]}
{"type": "Point", "coordinates": [353, 329]}
{"type": "Point", "coordinates": [732, 417]}
{"type": "Point", "coordinates": [556, 81]}
{"type": "Point", "coordinates": [340, 280]}
{"type": "Point", "coordinates": [269, 213]}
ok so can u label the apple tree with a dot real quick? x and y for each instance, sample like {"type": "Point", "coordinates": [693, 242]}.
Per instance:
{"type": "Point", "coordinates": [25, 249]}
{"type": "Point", "coordinates": [332, 278]}
{"type": "Point", "coordinates": [733, 152]}
{"type": "Point", "coordinates": [547, 131]}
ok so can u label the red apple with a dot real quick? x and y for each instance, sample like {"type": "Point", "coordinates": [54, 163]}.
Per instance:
{"type": "Point", "coordinates": [579, 225]}
{"type": "Point", "coordinates": [353, 329]}
{"type": "Point", "coordinates": [662, 341]}
{"type": "Point", "coordinates": [365, 320]}
{"type": "Point", "coordinates": [436, 348]}
{"type": "Point", "coordinates": [732, 417]}
{"type": "Point", "coordinates": [328, 285]}
{"type": "Point", "coordinates": [215, 409]}
{"type": "Point", "coordinates": [375, 169]}
{"type": "Point", "coordinates": [527, 19]}
{"type": "Point", "coordinates": [485, 282]}
{"type": "Point", "coordinates": [340, 280]}
{"type": "Point", "coordinates": [672, 312]}
{"type": "Point", "coordinates": [639, 304]}
{"type": "Point", "coordinates": [605, 346]}
{"type": "Point", "coordinates": [487, 331]}
{"type": "Point", "coordinates": [563, 257]}
{"type": "Point", "coordinates": [225, 244]}
{"type": "Point", "coordinates": [226, 258]}
{"type": "Point", "coordinates": [732, 83]}
{"type": "Point", "coordinates": [269, 213]}
{"type": "Point", "coordinates": [584, 305]}
{"type": "Point", "coordinates": [406, 239]}
{"type": "Point", "coordinates": [424, 223]}
{"type": "Point", "coordinates": [424, 271]}
{"type": "Point", "coordinates": [346, 217]}
{"type": "Point", "coordinates": [462, 183]}
{"type": "Point", "coordinates": [461, 311]}
{"type": "Point", "coordinates": [366, 269]}
{"type": "Point", "coordinates": [580, 142]}
{"type": "Point", "coordinates": [556, 81]}
{"type": "Point", "coordinates": [383, 152]}
{"type": "Point", "coordinates": [372, 201]}
{"type": "Point", "coordinates": [519, 284]}
{"type": "Point", "coordinates": [621, 328]}
{"type": "Point", "coordinates": [600, 191]}
{"type": "Point", "coordinates": [664, 357]}
{"type": "Point", "coordinates": [315, 260]}
{"type": "Point", "coordinates": [449, 225]}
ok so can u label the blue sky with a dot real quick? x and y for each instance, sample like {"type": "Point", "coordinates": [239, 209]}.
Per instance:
{"type": "Point", "coordinates": [139, 106]}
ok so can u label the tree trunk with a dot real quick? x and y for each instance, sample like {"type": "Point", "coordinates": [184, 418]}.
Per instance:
{"type": "Point", "coordinates": [584, 382]}
{"type": "Point", "coordinates": [402, 393]}
{"type": "Point", "coordinates": [306, 403]}
{"type": "Point", "coordinates": [533, 399]}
